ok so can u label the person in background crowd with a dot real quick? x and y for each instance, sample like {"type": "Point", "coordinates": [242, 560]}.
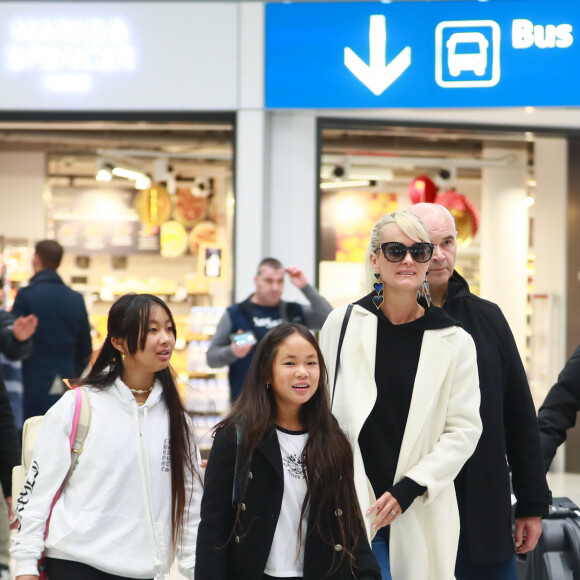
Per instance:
{"type": "Point", "coordinates": [486, 545]}
{"type": "Point", "coordinates": [260, 312]}
{"type": "Point", "coordinates": [558, 412]}
{"type": "Point", "coordinates": [12, 372]}
{"type": "Point", "coordinates": [279, 500]}
{"type": "Point", "coordinates": [132, 502]}
{"type": "Point", "coordinates": [407, 398]}
{"type": "Point", "coordinates": [15, 343]}
{"type": "Point", "coordinates": [62, 343]}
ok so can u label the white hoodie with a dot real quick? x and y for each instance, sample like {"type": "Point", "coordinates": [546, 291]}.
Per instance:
{"type": "Point", "coordinates": [115, 513]}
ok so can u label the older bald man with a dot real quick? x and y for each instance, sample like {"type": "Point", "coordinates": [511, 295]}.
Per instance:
{"type": "Point", "coordinates": [486, 547]}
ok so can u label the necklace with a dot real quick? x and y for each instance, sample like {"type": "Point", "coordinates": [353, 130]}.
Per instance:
{"type": "Point", "coordinates": [141, 392]}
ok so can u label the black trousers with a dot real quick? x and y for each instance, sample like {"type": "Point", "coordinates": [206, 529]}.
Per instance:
{"type": "Point", "coordinates": [69, 570]}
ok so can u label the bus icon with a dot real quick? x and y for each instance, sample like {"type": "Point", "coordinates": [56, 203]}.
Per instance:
{"type": "Point", "coordinates": [468, 61]}
{"type": "Point", "coordinates": [467, 53]}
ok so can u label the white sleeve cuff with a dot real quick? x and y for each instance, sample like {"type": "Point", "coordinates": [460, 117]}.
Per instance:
{"type": "Point", "coordinates": [27, 567]}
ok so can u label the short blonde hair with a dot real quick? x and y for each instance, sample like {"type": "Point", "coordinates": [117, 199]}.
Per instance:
{"type": "Point", "coordinates": [409, 223]}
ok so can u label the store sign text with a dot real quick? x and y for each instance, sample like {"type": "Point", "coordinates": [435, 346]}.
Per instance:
{"type": "Point", "coordinates": [526, 34]}
{"type": "Point", "coordinates": [68, 52]}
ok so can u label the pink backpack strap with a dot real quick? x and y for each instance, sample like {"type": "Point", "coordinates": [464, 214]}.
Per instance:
{"type": "Point", "coordinates": [75, 424]}
{"type": "Point", "coordinates": [78, 406]}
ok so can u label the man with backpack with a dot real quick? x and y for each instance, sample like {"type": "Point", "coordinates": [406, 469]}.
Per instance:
{"type": "Point", "coordinates": [244, 324]}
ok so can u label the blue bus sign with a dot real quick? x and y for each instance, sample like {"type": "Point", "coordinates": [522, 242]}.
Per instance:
{"type": "Point", "coordinates": [436, 54]}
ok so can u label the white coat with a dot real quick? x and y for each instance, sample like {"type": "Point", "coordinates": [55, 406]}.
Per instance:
{"type": "Point", "coordinates": [442, 430]}
{"type": "Point", "coordinates": [115, 513]}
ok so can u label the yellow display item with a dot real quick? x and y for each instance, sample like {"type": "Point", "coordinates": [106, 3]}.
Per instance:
{"type": "Point", "coordinates": [153, 205]}
{"type": "Point", "coordinates": [173, 239]}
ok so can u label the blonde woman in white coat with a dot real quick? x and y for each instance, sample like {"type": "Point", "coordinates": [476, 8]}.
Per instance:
{"type": "Point", "coordinates": [407, 396]}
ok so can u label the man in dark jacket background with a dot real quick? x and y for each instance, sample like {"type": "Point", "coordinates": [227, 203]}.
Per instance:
{"type": "Point", "coordinates": [62, 343]}
{"type": "Point", "coordinates": [486, 547]}
{"type": "Point", "coordinates": [558, 412]}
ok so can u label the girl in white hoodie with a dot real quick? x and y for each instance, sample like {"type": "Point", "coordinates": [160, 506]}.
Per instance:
{"type": "Point", "coordinates": [132, 503]}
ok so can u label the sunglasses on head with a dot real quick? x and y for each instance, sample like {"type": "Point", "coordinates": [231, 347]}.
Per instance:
{"type": "Point", "coordinates": [395, 251]}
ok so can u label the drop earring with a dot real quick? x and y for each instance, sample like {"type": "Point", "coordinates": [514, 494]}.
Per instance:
{"type": "Point", "coordinates": [123, 356]}
{"type": "Point", "coordinates": [379, 298]}
{"type": "Point", "coordinates": [426, 292]}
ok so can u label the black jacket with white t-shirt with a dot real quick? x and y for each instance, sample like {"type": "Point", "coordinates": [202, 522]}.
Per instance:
{"type": "Point", "coordinates": [222, 555]}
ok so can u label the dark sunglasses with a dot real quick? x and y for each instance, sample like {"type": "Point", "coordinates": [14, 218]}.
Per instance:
{"type": "Point", "coordinates": [395, 251]}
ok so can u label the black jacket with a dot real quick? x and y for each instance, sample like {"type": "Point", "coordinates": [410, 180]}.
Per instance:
{"type": "Point", "coordinates": [62, 341]}
{"type": "Point", "coordinates": [509, 430]}
{"type": "Point", "coordinates": [558, 412]}
{"type": "Point", "coordinates": [222, 555]}
{"type": "Point", "coordinates": [9, 442]}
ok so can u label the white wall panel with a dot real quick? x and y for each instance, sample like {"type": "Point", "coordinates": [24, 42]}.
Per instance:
{"type": "Point", "coordinates": [22, 184]}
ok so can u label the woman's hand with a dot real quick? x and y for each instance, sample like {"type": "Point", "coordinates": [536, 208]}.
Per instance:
{"type": "Point", "coordinates": [386, 509]}
{"type": "Point", "coordinates": [13, 521]}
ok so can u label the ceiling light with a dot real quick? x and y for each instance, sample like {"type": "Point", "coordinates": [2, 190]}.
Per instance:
{"type": "Point", "coordinates": [529, 201]}
{"type": "Point", "coordinates": [104, 169]}
{"type": "Point", "coordinates": [142, 182]}
{"type": "Point", "coordinates": [127, 173]}
{"type": "Point", "coordinates": [349, 183]}
{"type": "Point", "coordinates": [103, 175]}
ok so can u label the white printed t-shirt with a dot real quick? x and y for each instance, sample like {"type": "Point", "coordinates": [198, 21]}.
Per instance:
{"type": "Point", "coordinates": [287, 553]}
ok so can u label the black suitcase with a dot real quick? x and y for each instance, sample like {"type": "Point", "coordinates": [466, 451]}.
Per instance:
{"type": "Point", "coordinates": [557, 555]}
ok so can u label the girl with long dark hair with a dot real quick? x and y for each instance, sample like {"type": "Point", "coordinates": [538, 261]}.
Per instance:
{"type": "Point", "coordinates": [279, 499]}
{"type": "Point", "coordinates": [132, 503]}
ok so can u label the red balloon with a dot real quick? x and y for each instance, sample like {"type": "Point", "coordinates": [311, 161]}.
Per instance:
{"type": "Point", "coordinates": [451, 200]}
{"type": "Point", "coordinates": [422, 189]}
{"type": "Point", "coordinates": [465, 213]}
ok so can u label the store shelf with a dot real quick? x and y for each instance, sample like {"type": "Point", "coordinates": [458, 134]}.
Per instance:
{"type": "Point", "coordinates": [201, 375]}
{"type": "Point", "coordinates": [195, 336]}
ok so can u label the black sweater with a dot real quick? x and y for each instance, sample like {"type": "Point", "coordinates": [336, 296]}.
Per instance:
{"type": "Point", "coordinates": [397, 357]}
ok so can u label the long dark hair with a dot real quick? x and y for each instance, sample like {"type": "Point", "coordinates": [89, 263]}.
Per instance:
{"type": "Point", "coordinates": [327, 456]}
{"type": "Point", "coordinates": [129, 320]}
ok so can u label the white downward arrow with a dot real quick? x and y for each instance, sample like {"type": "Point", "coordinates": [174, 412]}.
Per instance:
{"type": "Point", "coordinates": [378, 76]}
